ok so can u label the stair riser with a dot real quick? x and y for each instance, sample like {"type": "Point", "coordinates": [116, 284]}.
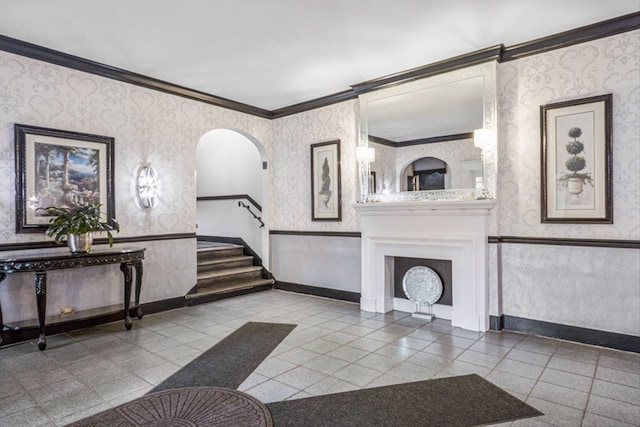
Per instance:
{"type": "Point", "coordinates": [224, 265]}
{"type": "Point", "coordinates": [225, 280]}
{"type": "Point", "coordinates": [219, 254]}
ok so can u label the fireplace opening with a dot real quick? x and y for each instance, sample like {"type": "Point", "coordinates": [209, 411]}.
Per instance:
{"type": "Point", "coordinates": [442, 267]}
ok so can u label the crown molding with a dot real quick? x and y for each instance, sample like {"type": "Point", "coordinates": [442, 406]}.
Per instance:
{"type": "Point", "coordinates": [56, 57]}
{"type": "Point", "coordinates": [498, 53]}
{"type": "Point", "coordinates": [468, 59]}
{"type": "Point", "coordinates": [607, 28]}
{"type": "Point", "coordinates": [430, 140]}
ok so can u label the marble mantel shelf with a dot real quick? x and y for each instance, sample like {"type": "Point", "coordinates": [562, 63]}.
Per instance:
{"type": "Point", "coordinates": [481, 206]}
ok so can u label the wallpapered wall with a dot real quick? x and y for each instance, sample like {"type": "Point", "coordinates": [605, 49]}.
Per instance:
{"type": "Point", "coordinates": [292, 137]}
{"type": "Point", "coordinates": [148, 126]}
{"type": "Point", "coordinates": [608, 65]}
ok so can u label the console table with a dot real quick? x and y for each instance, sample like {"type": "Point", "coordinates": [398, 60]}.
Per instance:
{"type": "Point", "coordinates": [43, 261]}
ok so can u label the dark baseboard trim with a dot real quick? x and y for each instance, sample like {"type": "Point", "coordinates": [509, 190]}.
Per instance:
{"type": "Point", "coordinates": [496, 323]}
{"type": "Point", "coordinates": [133, 239]}
{"type": "Point", "coordinates": [51, 56]}
{"type": "Point", "coordinates": [318, 291]}
{"type": "Point", "coordinates": [231, 197]}
{"type": "Point", "coordinates": [607, 28]}
{"type": "Point", "coordinates": [317, 233]}
{"type": "Point", "coordinates": [13, 336]}
{"type": "Point", "coordinates": [562, 241]}
{"type": "Point", "coordinates": [573, 333]}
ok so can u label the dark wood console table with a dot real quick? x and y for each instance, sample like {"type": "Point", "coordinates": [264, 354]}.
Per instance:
{"type": "Point", "coordinates": [43, 261]}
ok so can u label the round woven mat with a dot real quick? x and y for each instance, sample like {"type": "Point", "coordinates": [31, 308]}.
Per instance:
{"type": "Point", "coordinates": [187, 407]}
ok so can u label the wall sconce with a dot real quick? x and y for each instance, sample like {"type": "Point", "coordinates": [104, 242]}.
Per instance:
{"type": "Point", "coordinates": [483, 137]}
{"type": "Point", "coordinates": [364, 156]}
{"type": "Point", "coordinates": [147, 186]}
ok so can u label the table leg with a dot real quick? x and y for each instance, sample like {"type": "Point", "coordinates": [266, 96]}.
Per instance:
{"type": "Point", "coordinates": [2, 277]}
{"type": "Point", "coordinates": [138, 266]}
{"type": "Point", "coordinates": [126, 270]}
{"type": "Point", "coordinates": [41, 300]}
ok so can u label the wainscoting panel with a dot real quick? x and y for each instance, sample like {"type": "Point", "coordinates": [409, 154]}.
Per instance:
{"type": "Point", "coordinates": [169, 271]}
{"type": "Point", "coordinates": [589, 287]}
{"type": "Point", "coordinates": [326, 261]}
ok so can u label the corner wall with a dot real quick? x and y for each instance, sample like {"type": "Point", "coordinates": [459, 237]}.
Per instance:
{"type": "Point", "coordinates": [149, 127]}
{"type": "Point", "coordinates": [595, 287]}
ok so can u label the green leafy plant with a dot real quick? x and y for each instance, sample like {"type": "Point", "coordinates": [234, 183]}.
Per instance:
{"type": "Point", "coordinates": [78, 221]}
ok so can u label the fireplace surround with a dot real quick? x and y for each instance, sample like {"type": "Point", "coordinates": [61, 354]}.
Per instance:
{"type": "Point", "coordinates": [445, 230]}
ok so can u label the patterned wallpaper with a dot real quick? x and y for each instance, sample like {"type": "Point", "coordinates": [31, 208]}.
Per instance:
{"type": "Point", "coordinates": [148, 126]}
{"type": "Point", "coordinates": [608, 65]}
{"type": "Point", "coordinates": [290, 166]}
{"type": "Point", "coordinates": [161, 129]}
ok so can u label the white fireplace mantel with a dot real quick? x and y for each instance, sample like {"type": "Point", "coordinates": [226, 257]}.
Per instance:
{"type": "Point", "coordinates": [447, 230]}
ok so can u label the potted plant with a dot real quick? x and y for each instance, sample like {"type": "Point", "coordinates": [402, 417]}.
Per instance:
{"type": "Point", "coordinates": [76, 225]}
{"type": "Point", "coordinates": [574, 180]}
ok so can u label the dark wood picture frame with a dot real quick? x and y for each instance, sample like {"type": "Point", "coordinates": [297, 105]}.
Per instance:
{"type": "Point", "coordinates": [576, 161]}
{"type": "Point", "coordinates": [326, 193]}
{"type": "Point", "coordinates": [63, 169]}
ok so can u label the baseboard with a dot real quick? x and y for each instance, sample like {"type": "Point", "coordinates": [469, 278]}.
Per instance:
{"type": "Point", "coordinates": [318, 291]}
{"type": "Point", "coordinates": [496, 323]}
{"type": "Point", "coordinates": [566, 332]}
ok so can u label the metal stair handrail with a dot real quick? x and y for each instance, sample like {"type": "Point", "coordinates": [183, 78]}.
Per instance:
{"type": "Point", "coordinates": [244, 205]}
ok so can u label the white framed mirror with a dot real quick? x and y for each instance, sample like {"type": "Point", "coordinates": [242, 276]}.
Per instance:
{"type": "Point", "coordinates": [423, 128]}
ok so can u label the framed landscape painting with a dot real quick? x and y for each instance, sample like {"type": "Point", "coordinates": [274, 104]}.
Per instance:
{"type": "Point", "coordinates": [61, 169]}
{"type": "Point", "coordinates": [576, 161]}
{"type": "Point", "coordinates": [326, 204]}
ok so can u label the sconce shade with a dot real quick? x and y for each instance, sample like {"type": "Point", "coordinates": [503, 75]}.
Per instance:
{"type": "Point", "coordinates": [483, 137]}
{"type": "Point", "coordinates": [365, 154]}
{"type": "Point", "coordinates": [147, 187]}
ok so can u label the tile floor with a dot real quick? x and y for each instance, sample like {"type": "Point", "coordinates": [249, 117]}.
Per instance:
{"type": "Point", "coordinates": [334, 348]}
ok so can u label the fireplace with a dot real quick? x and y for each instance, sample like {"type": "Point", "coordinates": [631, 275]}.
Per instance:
{"type": "Point", "coordinates": [454, 231]}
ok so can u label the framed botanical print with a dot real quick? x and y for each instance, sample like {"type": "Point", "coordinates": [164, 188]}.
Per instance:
{"type": "Point", "coordinates": [326, 203]}
{"type": "Point", "coordinates": [576, 161]}
{"type": "Point", "coordinates": [62, 169]}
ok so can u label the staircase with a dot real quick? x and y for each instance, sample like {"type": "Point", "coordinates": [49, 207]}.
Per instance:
{"type": "Point", "coordinates": [223, 270]}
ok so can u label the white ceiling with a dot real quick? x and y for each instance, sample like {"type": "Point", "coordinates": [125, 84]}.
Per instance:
{"type": "Point", "coordinates": [272, 54]}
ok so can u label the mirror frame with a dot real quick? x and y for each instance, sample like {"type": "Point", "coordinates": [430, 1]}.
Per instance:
{"type": "Point", "coordinates": [487, 71]}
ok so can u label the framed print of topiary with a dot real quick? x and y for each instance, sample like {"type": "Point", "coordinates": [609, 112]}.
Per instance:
{"type": "Point", "coordinates": [326, 203]}
{"type": "Point", "coordinates": [576, 161]}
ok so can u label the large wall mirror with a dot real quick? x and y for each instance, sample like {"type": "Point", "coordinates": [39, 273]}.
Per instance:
{"type": "Point", "coordinates": [422, 133]}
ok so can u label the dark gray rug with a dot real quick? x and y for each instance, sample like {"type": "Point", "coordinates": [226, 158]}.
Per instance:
{"type": "Point", "coordinates": [232, 360]}
{"type": "Point", "coordinates": [467, 400]}
{"type": "Point", "coordinates": [185, 407]}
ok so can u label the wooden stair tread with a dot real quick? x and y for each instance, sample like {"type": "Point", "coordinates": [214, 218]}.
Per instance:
{"type": "Point", "coordinates": [230, 288]}
{"type": "Point", "coordinates": [222, 247]}
{"type": "Point", "coordinates": [228, 272]}
{"type": "Point", "coordinates": [225, 260]}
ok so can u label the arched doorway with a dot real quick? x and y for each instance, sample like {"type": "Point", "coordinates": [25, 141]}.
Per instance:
{"type": "Point", "coordinates": [231, 175]}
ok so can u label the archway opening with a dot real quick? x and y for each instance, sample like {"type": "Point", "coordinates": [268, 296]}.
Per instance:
{"type": "Point", "coordinates": [231, 189]}
{"type": "Point", "coordinates": [426, 173]}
